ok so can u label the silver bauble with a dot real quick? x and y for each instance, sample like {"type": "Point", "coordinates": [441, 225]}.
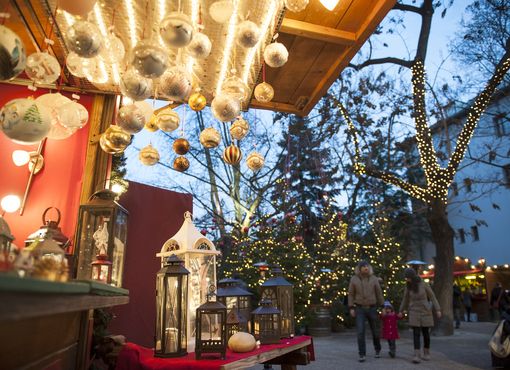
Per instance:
{"type": "Point", "coordinates": [12, 54]}
{"type": "Point", "coordinates": [276, 55]}
{"type": "Point", "coordinates": [175, 84]}
{"type": "Point", "coordinates": [200, 46]}
{"type": "Point", "coordinates": [248, 34]}
{"type": "Point", "coordinates": [131, 119]}
{"type": "Point", "coordinates": [149, 59]}
{"type": "Point", "coordinates": [85, 39]}
{"type": "Point", "coordinates": [225, 107]}
{"type": "Point", "coordinates": [176, 29]}
{"type": "Point", "coordinates": [42, 68]}
{"type": "Point", "coordinates": [113, 50]}
{"type": "Point", "coordinates": [236, 87]}
{"type": "Point", "coordinates": [135, 86]}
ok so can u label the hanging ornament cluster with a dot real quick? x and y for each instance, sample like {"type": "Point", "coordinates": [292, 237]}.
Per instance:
{"type": "Point", "coordinates": [239, 129]}
{"type": "Point", "coordinates": [12, 54]}
{"type": "Point", "coordinates": [210, 138]}
{"type": "Point", "coordinates": [255, 161]}
{"type": "Point", "coordinates": [149, 155]}
{"type": "Point", "coordinates": [114, 140]}
{"type": "Point", "coordinates": [232, 155]}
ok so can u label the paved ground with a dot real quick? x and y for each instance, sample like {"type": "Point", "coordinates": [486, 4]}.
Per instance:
{"type": "Point", "coordinates": [467, 349]}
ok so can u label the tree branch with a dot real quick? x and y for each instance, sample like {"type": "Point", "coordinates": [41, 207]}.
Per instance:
{"type": "Point", "coordinates": [407, 8]}
{"type": "Point", "coordinates": [371, 62]}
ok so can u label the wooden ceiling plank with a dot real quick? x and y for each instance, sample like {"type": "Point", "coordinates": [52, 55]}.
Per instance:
{"type": "Point", "coordinates": [274, 106]}
{"type": "Point", "coordinates": [317, 32]}
{"type": "Point", "coordinates": [29, 31]}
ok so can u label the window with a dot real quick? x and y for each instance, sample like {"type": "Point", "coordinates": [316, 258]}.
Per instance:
{"type": "Point", "coordinates": [455, 188]}
{"type": "Point", "coordinates": [506, 173]}
{"type": "Point", "coordinates": [474, 233]}
{"type": "Point", "coordinates": [462, 236]}
{"type": "Point", "coordinates": [467, 184]}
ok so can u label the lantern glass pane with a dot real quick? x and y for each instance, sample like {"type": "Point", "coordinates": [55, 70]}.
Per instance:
{"type": "Point", "coordinates": [285, 303]}
{"type": "Point", "coordinates": [184, 292]}
{"type": "Point", "coordinates": [159, 309]}
{"type": "Point", "coordinates": [202, 274]}
{"type": "Point", "coordinates": [171, 321]}
{"type": "Point", "coordinates": [231, 302]}
{"type": "Point", "coordinates": [210, 326]}
{"type": "Point", "coordinates": [243, 303]}
{"type": "Point", "coordinates": [119, 243]}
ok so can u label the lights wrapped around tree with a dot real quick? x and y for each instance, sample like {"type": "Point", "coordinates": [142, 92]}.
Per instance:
{"type": "Point", "coordinates": [221, 11]}
{"type": "Point", "coordinates": [167, 119]}
{"type": "Point", "coordinates": [181, 146]}
{"type": "Point", "coordinates": [239, 129]}
{"type": "Point", "coordinates": [134, 86]}
{"type": "Point", "coordinates": [175, 84]}
{"type": "Point", "coordinates": [232, 155]}
{"type": "Point", "coordinates": [84, 39]}
{"type": "Point", "coordinates": [13, 57]}
{"type": "Point", "coordinates": [171, 309]}
{"type": "Point", "coordinates": [211, 326]}
{"type": "Point", "coordinates": [149, 59]}
{"type": "Point", "coordinates": [131, 119]}
{"type": "Point", "coordinates": [255, 161]}
{"type": "Point", "coordinates": [225, 107]}
{"type": "Point", "coordinates": [210, 137]}
{"type": "Point", "coordinates": [248, 34]}
{"type": "Point", "coordinates": [237, 299]}
{"type": "Point", "coordinates": [176, 29]}
{"type": "Point", "coordinates": [181, 164]}
{"type": "Point", "coordinates": [276, 55]}
{"type": "Point", "coordinates": [42, 68]}
{"type": "Point", "coordinates": [149, 155]}
{"type": "Point", "coordinates": [197, 102]}
{"type": "Point", "coordinates": [200, 46]}
{"type": "Point", "coordinates": [265, 323]}
{"type": "Point", "coordinates": [264, 92]}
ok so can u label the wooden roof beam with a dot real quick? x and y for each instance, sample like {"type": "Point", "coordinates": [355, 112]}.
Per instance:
{"type": "Point", "coordinates": [317, 32]}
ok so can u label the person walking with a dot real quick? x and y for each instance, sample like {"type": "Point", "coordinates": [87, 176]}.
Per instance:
{"type": "Point", "coordinates": [497, 301]}
{"type": "Point", "coordinates": [390, 327]}
{"type": "Point", "coordinates": [365, 295]}
{"type": "Point", "coordinates": [457, 295]}
{"type": "Point", "coordinates": [419, 299]}
{"type": "Point", "coordinates": [467, 299]}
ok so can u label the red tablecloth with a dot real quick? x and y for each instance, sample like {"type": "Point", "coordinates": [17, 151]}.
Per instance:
{"type": "Point", "coordinates": [135, 357]}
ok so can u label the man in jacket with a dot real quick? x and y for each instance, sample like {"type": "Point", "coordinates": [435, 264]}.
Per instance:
{"type": "Point", "coordinates": [365, 295]}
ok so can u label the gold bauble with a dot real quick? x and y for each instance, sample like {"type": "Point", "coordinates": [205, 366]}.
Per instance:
{"type": "Point", "coordinates": [264, 92]}
{"type": "Point", "coordinates": [107, 146]}
{"type": "Point", "coordinates": [239, 129]}
{"type": "Point", "coordinates": [255, 161]}
{"type": "Point", "coordinates": [149, 156]}
{"type": "Point", "coordinates": [181, 146]}
{"type": "Point", "coordinates": [151, 125]}
{"type": "Point", "coordinates": [181, 164]}
{"type": "Point", "coordinates": [232, 155]}
{"type": "Point", "coordinates": [197, 102]}
{"type": "Point", "coordinates": [117, 137]}
{"type": "Point", "coordinates": [210, 138]}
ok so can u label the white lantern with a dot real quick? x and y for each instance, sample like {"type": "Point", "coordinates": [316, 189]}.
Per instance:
{"type": "Point", "coordinates": [225, 107]}
{"type": "Point", "coordinates": [248, 34]}
{"type": "Point", "coordinates": [199, 255]}
{"type": "Point", "coordinates": [276, 55]}
{"type": "Point", "coordinates": [176, 30]}
{"type": "Point", "coordinates": [200, 46]}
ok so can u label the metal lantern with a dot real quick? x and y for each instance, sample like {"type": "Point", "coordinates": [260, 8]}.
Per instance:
{"type": "Point", "coordinates": [266, 320]}
{"type": "Point", "coordinates": [102, 269]}
{"type": "Point", "coordinates": [48, 259]}
{"type": "Point", "coordinates": [171, 302]}
{"type": "Point", "coordinates": [102, 223]}
{"type": "Point", "coordinates": [6, 239]}
{"type": "Point", "coordinates": [281, 293]}
{"type": "Point", "coordinates": [233, 323]}
{"type": "Point", "coordinates": [235, 297]}
{"type": "Point", "coordinates": [199, 255]}
{"type": "Point", "coordinates": [211, 325]}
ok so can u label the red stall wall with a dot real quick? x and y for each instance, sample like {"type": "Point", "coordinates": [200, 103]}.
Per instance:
{"type": "Point", "coordinates": [57, 185]}
{"type": "Point", "coordinates": [155, 215]}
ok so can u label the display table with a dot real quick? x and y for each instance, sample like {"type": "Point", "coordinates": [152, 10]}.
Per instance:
{"type": "Point", "coordinates": [288, 354]}
{"type": "Point", "coordinates": [48, 325]}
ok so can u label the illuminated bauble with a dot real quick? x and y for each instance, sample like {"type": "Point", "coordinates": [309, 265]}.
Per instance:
{"type": "Point", "coordinates": [131, 119]}
{"type": "Point", "coordinates": [116, 138]}
{"type": "Point", "coordinates": [134, 86]}
{"type": "Point", "coordinates": [95, 72]}
{"type": "Point", "coordinates": [25, 121]}
{"type": "Point", "coordinates": [232, 155]}
{"type": "Point", "coordinates": [145, 108]}
{"type": "Point", "coordinates": [197, 102]}
{"type": "Point", "coordinates": [54, 102]}
{"type": "Point", "coordinates": [221, 11]}
{"type": "Point", "coordinates": [176, 29]}
{"type": "Point", "coordinates": [113, 50]}
{"type": "Point", "coordinates": [225, 107]}
{"type": "Point", "coordinates": [12, 54]}
{"type": "Point", "coordinates": [151, 125]}
{"type": "Point", "coordinates": [236, 88]}
{"type": "Point", "coordinates": [200, 46]}
{"type": "Point", "coordinates": [239, 129]}
{"type": "Point", "coordinates": [73, 115]}
{"type": "Point", "coordinates": [149, 59]}
{"type": "Point", "coordinates": [85, 39]}
{"type": "Point", "coordinates": [296, 5]}
{"type": "Point", "coordinates": [167, 119]}
{"type": "Point", "coordinates": [76, 7]}
{"type": "Point", "coordinates": [210, 138]}
{"type": "Point", "coordinates": [255, 161]}
{"type": "Point", "coordinates": [276, 55]}
{"type": "Point", "coordinates": [149, 155]}
{"type": "Point", "coordinates": [181, 164]}
{"type": "Point", "coordinates": [181, 146]}
{"type": "Point", "coordinates": [248, 34]}
{"type": "Point", "coordinates": [264, 92]}
{"type": "Point", "coordinates": [175, 84]}
{"type": "Point", "coordinates": [42, 68]}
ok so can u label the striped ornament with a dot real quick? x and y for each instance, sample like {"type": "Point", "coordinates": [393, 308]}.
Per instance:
{"type": "Point", "coordinates": [232, 155]}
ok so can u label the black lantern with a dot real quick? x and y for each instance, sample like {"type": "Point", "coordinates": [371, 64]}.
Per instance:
{"type": "Point", "coordinates": [233, 296]}
{"type": "Point", "coordinates": [266, 320]}
{"type": "Point", "coordinates": [102, 223]}
{"type": "Point", "coordinates": [281, 294]}
{"type": "Point", "coordinates": [233, 323]}
{"type": "Point", "coordinates": [211, 327]}
{"type": "Point", "coordinates": [6, 239]}
{"type": "Point", "coordinates": [171, 302]}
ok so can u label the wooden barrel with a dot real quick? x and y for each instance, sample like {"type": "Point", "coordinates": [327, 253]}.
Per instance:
{"type": "Point", "coordinates": [321, 322]}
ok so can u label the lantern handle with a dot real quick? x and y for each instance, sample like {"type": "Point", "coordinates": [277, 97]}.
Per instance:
{"type": "Point", "coordinates": [46, 211]}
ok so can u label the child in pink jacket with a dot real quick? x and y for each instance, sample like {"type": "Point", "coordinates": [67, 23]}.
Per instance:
{"type": "Point", "coordinates": [389, 327]}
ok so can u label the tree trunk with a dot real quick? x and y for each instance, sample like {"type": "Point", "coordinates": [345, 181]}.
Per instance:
{"type": "Point", "coordinates": [442, 235]}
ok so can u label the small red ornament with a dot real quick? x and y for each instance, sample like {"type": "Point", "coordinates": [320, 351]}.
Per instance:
{"type": "Point", "coordinates": [203, 232]}
{"type": "Point", "coordinates": [246, 229]}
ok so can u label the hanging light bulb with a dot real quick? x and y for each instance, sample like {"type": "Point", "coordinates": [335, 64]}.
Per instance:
{"type": "Point", "coordinates": [329, 4]}
{"type": "Point", "coordinates": [10, 203]}
{"type": "Point", "coordinates": [20, 157]}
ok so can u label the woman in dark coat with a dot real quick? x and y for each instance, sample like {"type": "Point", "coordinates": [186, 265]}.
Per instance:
{"type": "Point", "coordinates": [418, 301]}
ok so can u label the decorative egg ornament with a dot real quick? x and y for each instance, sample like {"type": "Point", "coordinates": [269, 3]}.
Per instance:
{"type": "Point", "coordinates": [255, 161]}
{"type": "Point", "coordinates": [181, 146]}
{"type": "Point", "coordinates": [225, 107]}
{"type": "Point", "coordinates": [175, 84]}
{"type": "Point", "coordinates": [248, 34]}
{"type": "Point", "coordinates": [221, 11]}
{"type": "Point", "coordinates": [236, 87]}
{"type": "Point", "coordinates": [134, 86]}
{"type": "Point", "coordinates": [276, 55]}
{"type": "Point", "coordinates": [232, 155]}
{"type": "Point", "coordinates": [167, 119]}
{"type": "Point", "coordinates": [25, 121]}
{"type": "Point", "coordinates": [84, 39]}
{"type": "Point", "coordinates": [296, 5]}
{"type": "Point", "coordinates": [131, 119]}
{"type": "Point", "coordinates": [200, 46]}
{"type": "Point", "coordinates": [12, 54]}
{"type": "Point", "coordinates": [197, 102]}
{"type": "Point", "coordinates": [42, 68]}
{"type": "Point", "coordinates": [176, 29]}
{"type": "Point", "coordinates": [149, 59]}
{"type": "Point", "coordinates": [74, 7]}
{"type": "Point", "coordinates": [264, 92]}
{"type": "Point", "coordinates": [149, 155]}
{"type": "Point", "coordinates": [239, 129]}
{"type": "Point", "coordinates": [181, 164]}
{"type": "Point", "coordinates": [210, 138]}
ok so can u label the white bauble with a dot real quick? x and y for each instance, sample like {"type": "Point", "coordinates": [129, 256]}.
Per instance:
{"type": "Point", "coordinates": [225, 107]}
{"type": "Point", "coordinates": [175, 84]}
{"type": "Point", "coordinates": [134, 86]}
{"type": "Point", "coordinates": [264, 92]}
{"type": "Point", "coordinates": [42, 68]}
{"type": "Point", "coordinates": [25, 121]}
{"type": "Point", "coordinates": [54, 102]}
{"type": "Point", "coordinates": [239, 129]}
{"type": "Point", "coordinates": [74, 64]}
{"type": "Point", "coordinates": [248, 34]}
{"type": "Point", "coordinates": [176, 29]}
{"type": "Point", "coordinates": [12, 54]}
{"type": "Point", "coordinates": [221, 11]}
{"type": "Point", "coordinates": [296, 5]}
{"type": "Point", "coordinates": [166, 119]}
{"type": "Point", "coordinates": [113, 50]}
{"type": "Point", "coordinates": [200, 46]}
{"type": "Point", "coordinates": [131, 119]}
{"type": "Point", "coordinates": [276, 55]}
{"type": "Point", "coordinates": [85, 39]}
{"type": "Point", "coordinates": [149, 59]}
{"type": "Point", "coordinates": [77, 7]}
{"type": "Point", "coordinates": [73, 115]}
{"type": "Point", "coordinates": [236, 87]}
{"type": "Point", "coordinates": [255, 161]}
{"type": "Point", "coordinates": [95, 71]}
{"type": "Point", "coordinates": [210, 137]}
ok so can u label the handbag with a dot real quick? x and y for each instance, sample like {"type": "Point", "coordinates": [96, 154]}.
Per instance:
{"type": "Point", "coordinates": [499, 349]}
